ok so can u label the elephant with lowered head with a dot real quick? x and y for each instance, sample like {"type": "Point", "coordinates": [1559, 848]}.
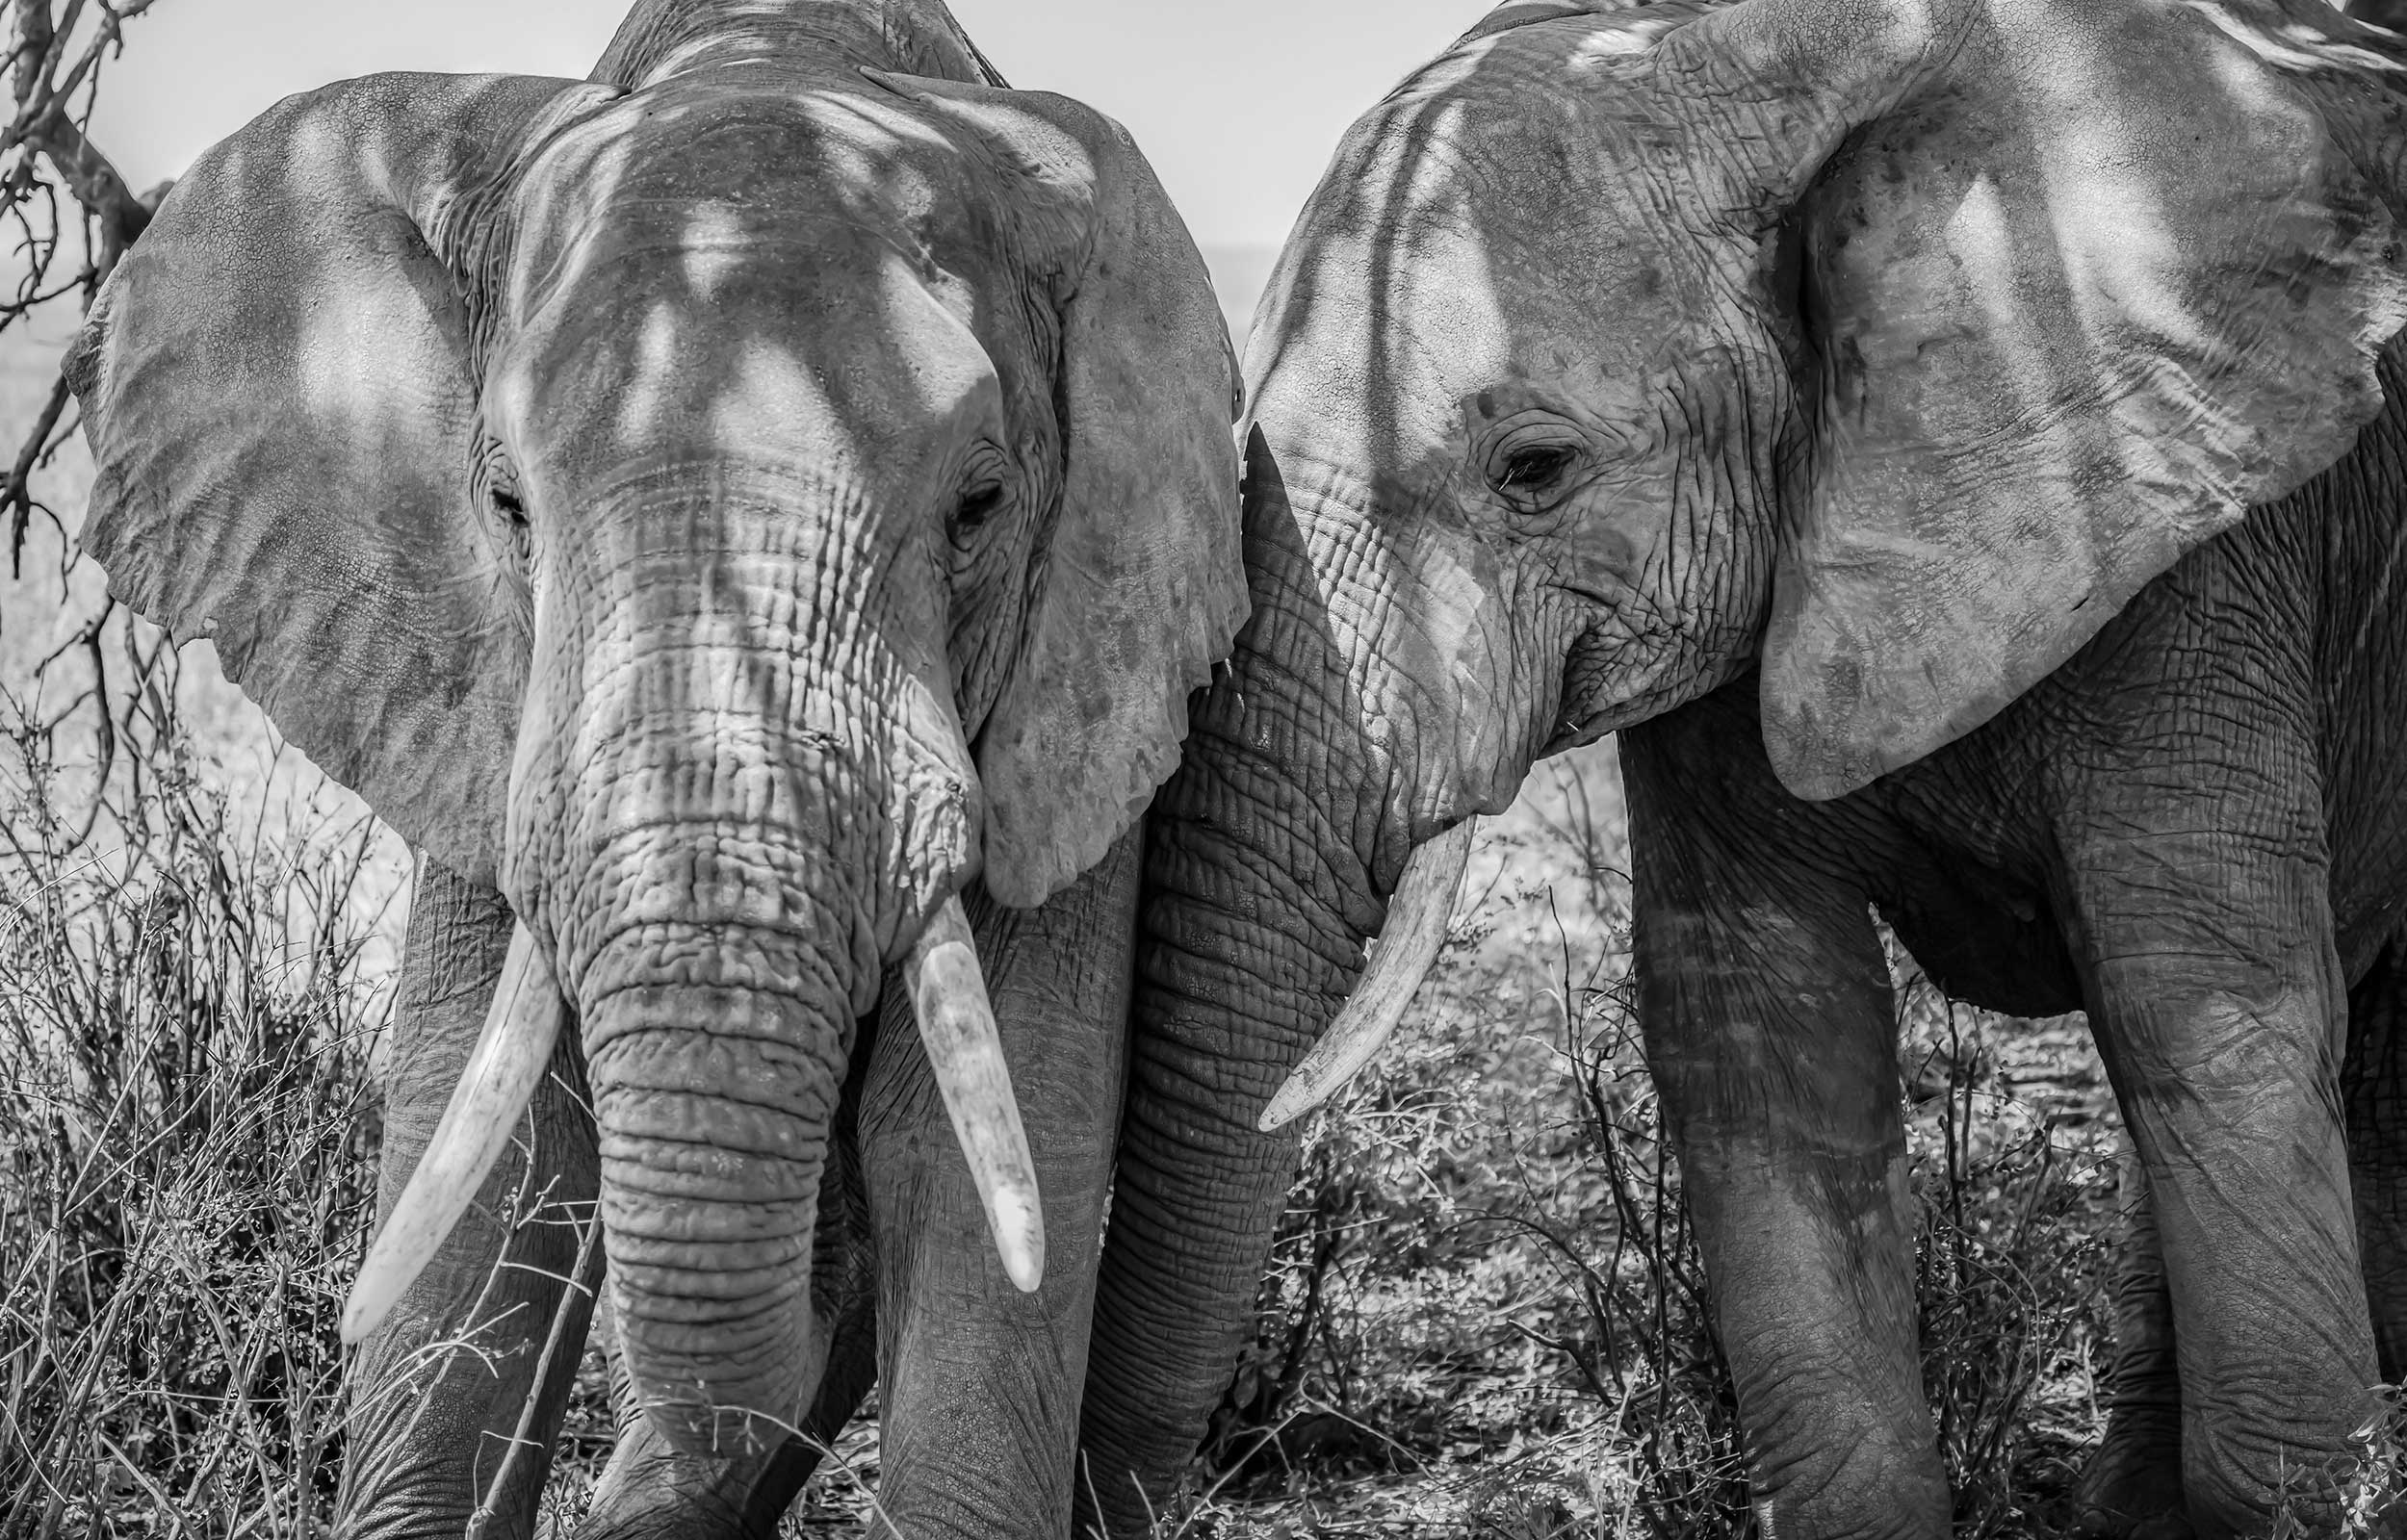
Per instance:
{"type": "Point", "coordinates": [1961, 446]}
{"type": "Point", "coordinates": [724, 513]}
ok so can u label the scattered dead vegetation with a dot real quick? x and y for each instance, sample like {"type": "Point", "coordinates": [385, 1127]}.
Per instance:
{"type": "Point", "coordinates": [184, 1131]}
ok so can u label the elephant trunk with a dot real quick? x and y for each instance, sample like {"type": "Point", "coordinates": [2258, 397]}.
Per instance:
{"type": "Point", "coordinates": [715, 1062]}
{"type": "Point", "coordinates": [1267, 856]}
{"type": "Point", "coordinates": [739, 795]}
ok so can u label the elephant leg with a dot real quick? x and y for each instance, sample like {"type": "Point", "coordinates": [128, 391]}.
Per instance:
{"type": "Point", "coordinates": [2373, 1087]}
{"type": "Point", "coordinates": [652, 1492]}
{"type": "Point", "coordinates": [2199, 911]}
{"type": "Point", "coordinates": [456, 1400]}
{"type": "Point", "coordinates": [981, 1383]}
{"type": "Point", "coordinates": [2132, 1488]}
{"type": "Point", "coordinates": [1766, 1004]}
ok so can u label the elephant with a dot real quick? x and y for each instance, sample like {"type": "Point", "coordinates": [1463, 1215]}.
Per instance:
{"type": "Point", "coordinates": [1957, 447]}
{"type": "Point", "coordinates": [752, 520]}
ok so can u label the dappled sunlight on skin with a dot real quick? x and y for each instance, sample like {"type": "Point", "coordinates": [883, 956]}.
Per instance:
{"type": "Point", "coordinates": [659, 39]}
{"type": "Point", "coordinates": [1892, 345]}
{"type": "Point", "coordinates": [1444, 297]}
{"type": "Point", "coordinates": [1570, 221]}
{"type": "Point", "coordinates": [748, 430]}
{"type": "Point", "coordinates": [715, 247]}
{"type": "Point", "coordinates": [644, 396]}
{"type": "Point", "coordinates": [2293, 43]}
{"type": "Point", "coordinates": [870, 144]}
{"type": "Point", "coordinates": [737, 506]}
{"type": "Point", "coordinates": [770, 392]}
{"type": "Point", "coordinates": [2027, 416]}
{"type": "Point", "coordinates": [773, 361]}
{"type": "Point", "coordinates": [1977, 229]}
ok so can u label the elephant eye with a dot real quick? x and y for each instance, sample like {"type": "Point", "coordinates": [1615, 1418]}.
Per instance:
{"type": "Point", "coordinates": [511, 510]}
{"type": "Point", "coordinates": [1534, 468]}
{"type": "Point", "coordinates": [977, 506]}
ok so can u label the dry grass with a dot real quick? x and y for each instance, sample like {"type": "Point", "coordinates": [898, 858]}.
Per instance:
{"type": "Point", "coordinates": [183, 1037]}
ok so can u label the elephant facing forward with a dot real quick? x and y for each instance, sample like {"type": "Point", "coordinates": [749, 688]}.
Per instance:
{"type": "Point", "coordinates": [720, 512]}
{"type": "Point", "coordinates": [1961, 446]}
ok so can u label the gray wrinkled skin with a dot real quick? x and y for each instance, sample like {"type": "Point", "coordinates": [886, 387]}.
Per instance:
{"type": "Point", "coordinates": [717, 511]}
{"type": "Point", "coordinates": [1954, 445]}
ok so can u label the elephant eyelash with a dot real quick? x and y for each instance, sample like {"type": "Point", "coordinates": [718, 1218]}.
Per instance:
{"type": "Point", "coordinates": [1539, 465]}
{"type": "Point", "coordinates": [511, 510]}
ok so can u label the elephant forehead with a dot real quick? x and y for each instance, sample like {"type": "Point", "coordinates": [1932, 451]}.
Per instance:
{"type": "Point", "coordinates": [803, 171]}
{"type": "Point", "coordinates": [1509, 221]}
{"type": "Point", "coordinates": [706, 363]}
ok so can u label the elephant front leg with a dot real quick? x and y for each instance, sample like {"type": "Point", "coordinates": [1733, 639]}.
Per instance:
{"type": "Point", "coordinates": [2374, 1082]}
{"type": "Point", "coordinates": [456, 1400]}
{"type": "Point", "coordinates": [981, 1384]}
{"type": "Point", "coordinates": [2131, 1487]}
{"type": "Point", "coordinates": [2201, 919]}
{"type": "Point", "coordinates": [1766, 1005]}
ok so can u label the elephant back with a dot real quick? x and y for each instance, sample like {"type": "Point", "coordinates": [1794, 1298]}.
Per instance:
{"type": "Point", "coordinates": [669, 37]}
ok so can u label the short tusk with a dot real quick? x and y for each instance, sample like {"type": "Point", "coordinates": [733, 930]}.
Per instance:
{"type": "Point", "coordinates": [948, 995]}
{"type": "Point", "coordinates": [1416, 928]}
{"type": "Point", "coordinates": [503, 1071]}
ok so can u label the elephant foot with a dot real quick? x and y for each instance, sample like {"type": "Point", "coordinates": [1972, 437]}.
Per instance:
{"type": "Point", "coordinates": [2132, 1488]}
{"type": "Point", "coordinates": [651, 1491]}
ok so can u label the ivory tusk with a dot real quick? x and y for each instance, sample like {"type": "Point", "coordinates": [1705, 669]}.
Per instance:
{"type": "Point", "coordinates": [957, 1024]}
{"type": "Point", "coordinates": [1416, 928]}
{"type": "Point", "coordinates": [503, 1071]}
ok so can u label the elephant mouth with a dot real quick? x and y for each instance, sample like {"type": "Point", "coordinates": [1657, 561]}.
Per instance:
{"type": "Point", "coordinates": [1416, 929]}
{"type": "Point", "coordinates": [956, 1020]}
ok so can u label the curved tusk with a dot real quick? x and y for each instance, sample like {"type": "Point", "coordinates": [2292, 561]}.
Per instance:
{"type": "Point", "coordinates": [503, 1071]}
{"type": "Point", "coordinates": [948, 996]}
{"type": "Point", "coordinates": [1416, 928]}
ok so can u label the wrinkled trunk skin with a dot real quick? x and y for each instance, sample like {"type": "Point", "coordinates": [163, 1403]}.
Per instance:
{"type": "Point", "coordinates": [651, 1491]}
{"type": "Point", "coordinates": [752, 816]}
{"type": "Point", "coordinates": [708, 1199]}
{"type": "Point", "coordinates": [1268, 856]}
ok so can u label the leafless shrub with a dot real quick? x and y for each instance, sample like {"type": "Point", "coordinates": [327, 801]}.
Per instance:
{"type": "Point", "coordinates": [71, 212]}
{"type": "Point", "coordinates": [184, 1138]}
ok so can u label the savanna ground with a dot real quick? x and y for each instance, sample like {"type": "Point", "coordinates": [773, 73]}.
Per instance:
{"type": "Point", "coordinates": [1484, 1316]}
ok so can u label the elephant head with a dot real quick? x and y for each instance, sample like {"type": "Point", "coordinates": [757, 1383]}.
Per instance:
{"type": "Point", "coordinates": [727, 505]}
{"type": "Point", "coordinates": [1886, 347]}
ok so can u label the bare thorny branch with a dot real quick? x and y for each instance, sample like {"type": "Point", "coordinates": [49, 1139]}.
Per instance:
{"type": "Point", "coordinates": [56, 50]}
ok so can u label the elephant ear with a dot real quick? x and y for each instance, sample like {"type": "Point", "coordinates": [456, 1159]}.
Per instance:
{"type": "Point", "coordinates": [2086, 279]}
{"type": "Point", "coordinates": [277, 387]}
{"type": "Point", "coordinates": [1144, 584]}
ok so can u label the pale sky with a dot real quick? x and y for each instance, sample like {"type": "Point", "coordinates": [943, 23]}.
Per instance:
{"type": "Point", "coordinates": [1237, 103]}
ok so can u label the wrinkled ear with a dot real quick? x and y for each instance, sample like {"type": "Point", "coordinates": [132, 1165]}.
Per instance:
{"type": "Point", "coordinates": [2089, 280]}
{"type": "Point", "coordinates": [278, 388]}
{"type": "Point", "coordinates": [1144, 584]}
